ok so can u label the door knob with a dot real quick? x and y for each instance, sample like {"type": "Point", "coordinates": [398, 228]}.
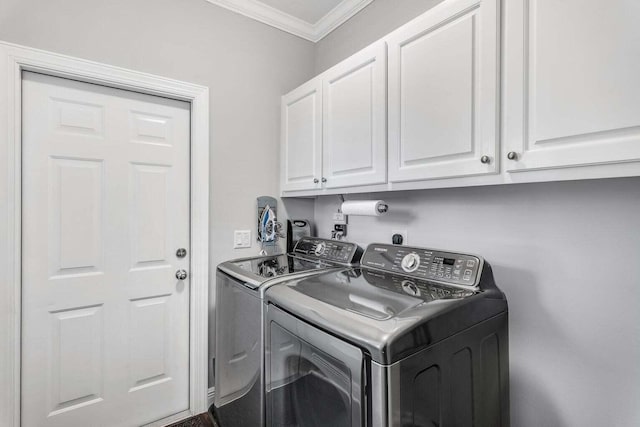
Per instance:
{"type": "Point", "coordinates": [315, 180]}
{"type": "Point", "coordinates": [181, 274]}
{"type": "Point", "coordinates": [181, 253]}
{"type": "Point", "coordinates": [324, 179]}
{"type": "Point", "coordinates": [512, 155]}
{"type": "Point", "coordinates": [485, 160]}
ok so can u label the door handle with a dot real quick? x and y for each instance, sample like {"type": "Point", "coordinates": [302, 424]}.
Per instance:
{"type": "Point", "coordinates": [181, 274]}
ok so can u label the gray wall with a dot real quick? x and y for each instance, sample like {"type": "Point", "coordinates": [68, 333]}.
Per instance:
{"type": "Point", "coordinates": [371, 23]}
{"type": "Point", "coordinates": [566, 254]}
{"type": "Point", "coordinates": [247, 66]}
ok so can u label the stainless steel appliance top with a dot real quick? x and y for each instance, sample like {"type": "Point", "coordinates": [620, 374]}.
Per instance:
{"type": "Point", "coordinates": [309, 254]}
{"type": "Point", "coordinates": [401, 300]}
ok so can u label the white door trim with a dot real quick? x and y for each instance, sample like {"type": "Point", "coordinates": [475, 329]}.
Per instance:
{"type": "Point", "coordinates": [13, 60]}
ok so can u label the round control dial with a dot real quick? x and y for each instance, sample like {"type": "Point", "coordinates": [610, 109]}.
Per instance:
{"type": "Point", "coordinates": [410, 262]}
{"type": "Point", "coordinates": [410, 288]}
{"type": "Point", "coordinates": [320, 248]}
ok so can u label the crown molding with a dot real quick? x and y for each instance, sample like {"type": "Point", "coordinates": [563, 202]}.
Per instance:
{"type": "Point", "coordinates": [259, 11]}
{"type": "Point", "coordinates": [338, 16]}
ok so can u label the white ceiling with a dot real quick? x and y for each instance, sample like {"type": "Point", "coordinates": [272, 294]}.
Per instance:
{"type": "Point", "coordinates": [310, 11]}
{"type": "Point", "coordinates": [309, 19]}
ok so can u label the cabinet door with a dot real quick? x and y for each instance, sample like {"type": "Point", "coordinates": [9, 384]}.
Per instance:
{"type": "Point", "coordinates": [354, 142]}
{"type": "Point", "coordinates": [301, 145]}
{"type": "Point", "coordinates": [572, 92]}
{"type": "Point", "coordinates": [443, 92]}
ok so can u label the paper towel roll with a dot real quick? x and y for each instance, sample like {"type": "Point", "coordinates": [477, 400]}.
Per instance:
{"type": "Point", "coordinates": [364, 207]}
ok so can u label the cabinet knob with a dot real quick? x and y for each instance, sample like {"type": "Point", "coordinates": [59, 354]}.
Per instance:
{"type": "Point", "coordinates": [324, 179]}
{"type": "Point", "coordinates": [512, 155]}
{"type": "Point", "coordinates": [315, 180]}
{"type": "Point", "coordinates": [485, 160]}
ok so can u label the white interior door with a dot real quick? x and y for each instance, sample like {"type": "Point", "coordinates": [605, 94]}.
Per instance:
{"type": "Point", "coordinates": [105, 193]}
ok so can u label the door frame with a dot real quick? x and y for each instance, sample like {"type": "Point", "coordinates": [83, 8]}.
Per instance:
{"type": "Point", "coordinates": [15, 59]}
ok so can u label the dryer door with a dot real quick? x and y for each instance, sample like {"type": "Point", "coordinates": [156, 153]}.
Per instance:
{"type": "Point", "coordinates": [312, 378]}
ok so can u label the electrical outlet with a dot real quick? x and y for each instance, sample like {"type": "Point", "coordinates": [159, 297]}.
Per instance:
{"type": "Point", "coordinates": [339, 231]}
{"type": "Point", "coordinates": [241, 239]}
{"type": "Point", "coordinates": [403, 233]}
{"type": "Point", "coordinates": [339, 218]}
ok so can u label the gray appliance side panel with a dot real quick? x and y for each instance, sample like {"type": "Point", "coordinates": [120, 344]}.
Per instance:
{"type": "Point", "coordinates": [461, 381]}
{"type": "Point", "coordinates": [249, 279]}
{"type": "Point", "coordinates": [238, 356]}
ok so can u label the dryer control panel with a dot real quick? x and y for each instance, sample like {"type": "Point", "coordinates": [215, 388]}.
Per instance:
{"type": "Point", "coordinates": [423, 263]}
{"type": "Point", "coordinates": [328, 250]}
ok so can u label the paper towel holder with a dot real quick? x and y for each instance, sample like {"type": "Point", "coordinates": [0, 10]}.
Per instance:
{"type": "Point", "coordinates": [375, 208]}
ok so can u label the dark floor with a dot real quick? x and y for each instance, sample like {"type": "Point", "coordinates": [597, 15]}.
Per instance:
{"type": "Point", "coordinates": [202, 420]}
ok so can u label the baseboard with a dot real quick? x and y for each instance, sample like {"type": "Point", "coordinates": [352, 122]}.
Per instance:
{"type": "Point", "coordinates": [210, 393]}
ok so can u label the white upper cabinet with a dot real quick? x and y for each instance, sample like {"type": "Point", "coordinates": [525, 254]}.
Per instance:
{"type": "Point", "coordinates": [572, 83]}
{"type": "Point", "coordinates": [568, 72]}
{"type": "Point", "coordinates": [443, 93]}
{"type": "Point", "coordinates": [301, 145]}
{"type": "Point", "coordinates": [354, 140]}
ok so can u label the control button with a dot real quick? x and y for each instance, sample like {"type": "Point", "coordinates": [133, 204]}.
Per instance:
{"type": "Point", "coordinates": [471, 263]}
{"type": "Point", "coordinates": [320, 248]}
{"type": "Point", "coordinates": [410, 262]}
{"type": "Point", "coordinates": [410, 288]}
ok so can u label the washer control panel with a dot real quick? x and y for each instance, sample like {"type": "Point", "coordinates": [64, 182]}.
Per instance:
{"type": "Point", "coordinates": [426, 264]}
{"type": "Point", "coordinates": [328, 250]}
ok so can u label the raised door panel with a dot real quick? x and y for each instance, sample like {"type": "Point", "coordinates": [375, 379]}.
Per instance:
{"type": "Point", "coordinates": [76, 191]}
{"type": "Point", "coordinates": [354, 120]}
{"type": "Point", "coordinates": [443, 86]}
{"type": "Point", "coordinates": [301, 157]}
{"type": "Point", "coordinates": [148, 204]}
{"type": "Point", "coordinates": [571, 85]}
{"type": "Point", "coordinates": [76, 375]}
{"type": "Point", "coordinates": [149, 342]}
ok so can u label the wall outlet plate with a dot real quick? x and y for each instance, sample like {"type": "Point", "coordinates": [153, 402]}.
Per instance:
{"type": "Point", "coordinates": [241, 239]}
{"type": "Point", "coordinates": [339, 231]}
{"type": "Point", "coordinates": [403, 233]}
{"type": "Point", "coordinates": [339, 218]}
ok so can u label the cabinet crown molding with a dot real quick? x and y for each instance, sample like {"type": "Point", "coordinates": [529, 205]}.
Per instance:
{"type": "Point", "coordinates": [277, 18]}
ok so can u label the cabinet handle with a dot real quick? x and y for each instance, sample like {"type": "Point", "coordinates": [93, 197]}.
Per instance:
{"type": "Point", "coordinates": [485, 160]}
{"type": "Point", "coordinates": [512, 155]}
{"type": "Point", "coordinates": [324, 179]}
{"type": "Point", "coordinates": [315, 180]}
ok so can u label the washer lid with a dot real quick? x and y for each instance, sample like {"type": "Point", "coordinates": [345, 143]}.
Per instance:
{"type": "Point", "coordinates": [310, 253]}
{"type": "Point", "coordinates": [391, 316]}
{"type": "Point", "coordinates": [258, 270]}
